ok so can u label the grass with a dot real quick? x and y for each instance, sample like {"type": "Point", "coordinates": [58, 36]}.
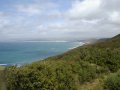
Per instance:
{"type": "Point", "coordinates": [2, 81]}
{"type": "Point", "coordinates": [2, 67]}
{"type": "Point", "coordinates": [96, 84]}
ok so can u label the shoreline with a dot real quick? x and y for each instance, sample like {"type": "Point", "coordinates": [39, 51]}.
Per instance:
{"type": "Point", "coordinates": [78, 44]}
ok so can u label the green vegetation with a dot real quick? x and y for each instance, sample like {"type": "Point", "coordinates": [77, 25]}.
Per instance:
{"type": "Point", "coordinates": [113, 82]}
{"type": "Point", "coordinates": [1, 68]}
{"type": "Point", "coordinates": [77, 69]}
{"type": "Point", "coordinates": [61, 75]}
{"type": "Point", "coordinates": [2, 81]}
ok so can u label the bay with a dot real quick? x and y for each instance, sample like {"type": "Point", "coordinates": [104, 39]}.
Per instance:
{"type": "Point", "coordinates": [27, 52]}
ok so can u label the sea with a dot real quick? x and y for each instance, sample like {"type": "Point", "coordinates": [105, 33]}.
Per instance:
{"type": "Point", "coordinates": [18, 53]}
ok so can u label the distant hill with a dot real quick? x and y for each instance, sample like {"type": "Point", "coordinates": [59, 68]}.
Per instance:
{"type": "Point", "coordinates": [82, 68]}
{"type": "Point", "coordinates": [117, 36]}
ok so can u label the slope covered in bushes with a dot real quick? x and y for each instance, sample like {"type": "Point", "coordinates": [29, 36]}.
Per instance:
{"type": "Point", "coordinates": [67, 71]}
{"type": "Point", "coordinates": [113, 82]}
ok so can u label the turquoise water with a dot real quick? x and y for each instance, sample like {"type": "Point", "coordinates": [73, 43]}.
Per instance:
{"type": "Point", "coordinates": [27, 52]}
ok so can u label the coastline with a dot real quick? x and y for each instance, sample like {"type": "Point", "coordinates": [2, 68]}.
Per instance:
{"type": "Point", "coordinates": [76, 44]}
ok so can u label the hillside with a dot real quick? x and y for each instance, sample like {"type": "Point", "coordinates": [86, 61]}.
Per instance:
{"type": "Point", "coordinates": [2, 81]}
{"type": "Point", "coordinates": [82, 68]}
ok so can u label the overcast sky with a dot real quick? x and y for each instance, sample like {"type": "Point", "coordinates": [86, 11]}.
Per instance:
{"type": "Point", "coordinates": [58, 19]}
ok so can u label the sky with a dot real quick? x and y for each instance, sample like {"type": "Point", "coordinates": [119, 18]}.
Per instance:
{"type": "Point", "coordinates": [58, 19]}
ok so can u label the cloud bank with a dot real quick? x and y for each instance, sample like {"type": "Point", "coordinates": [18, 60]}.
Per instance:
{"type": "Point", "coordinates": [59, 19]}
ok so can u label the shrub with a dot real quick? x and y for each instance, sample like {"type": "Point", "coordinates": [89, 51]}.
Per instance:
{"type": "Point", "coordinates": [113, 82]}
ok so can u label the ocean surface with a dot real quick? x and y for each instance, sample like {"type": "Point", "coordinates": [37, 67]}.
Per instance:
{"type": "Point", "coordinates": [12, 53]}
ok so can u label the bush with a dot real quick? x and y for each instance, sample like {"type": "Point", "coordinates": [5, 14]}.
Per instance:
{"type": "Point", "coordinates": [113, 82]}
